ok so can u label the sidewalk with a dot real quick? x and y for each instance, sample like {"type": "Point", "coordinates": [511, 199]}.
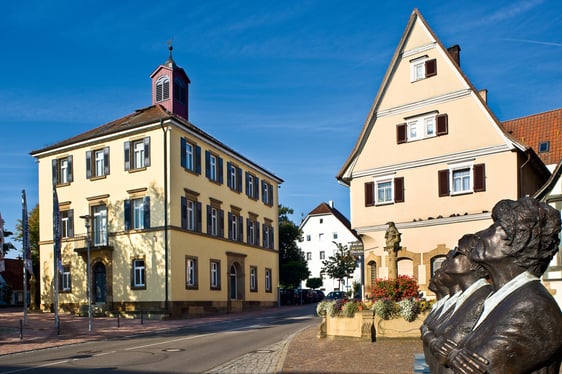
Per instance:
{"type": "Point", "coordinates": [301, 353]}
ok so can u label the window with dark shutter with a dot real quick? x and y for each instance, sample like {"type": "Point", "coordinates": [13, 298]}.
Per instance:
{"type": "Point", "coordinates": [443, 181]}
{"type": "Point", "coordinates": [401, 133]}
{"type": "Point", "coordinates": [442, 124]}
{"type": "Point", "coordinates": [369, 193]}
{"type": "Point", "coordinates": [399, 190]}
{"type": "Point", "coordinates": [479, 178]}
{"type": "Point", "coordinates": [430, 68]}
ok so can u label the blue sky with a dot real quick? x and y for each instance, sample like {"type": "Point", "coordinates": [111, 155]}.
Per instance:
{"type": "Point", "coordinates": [287, 84]}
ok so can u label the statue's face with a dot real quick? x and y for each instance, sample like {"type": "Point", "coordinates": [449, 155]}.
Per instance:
{"type": "Point", "coordinates": [493, 245]}
{"type": "Point", "coordinates": [457, 264]}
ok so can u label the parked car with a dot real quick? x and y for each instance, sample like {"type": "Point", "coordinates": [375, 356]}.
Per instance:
{"type": "Point", "coordinates": [336, 295]}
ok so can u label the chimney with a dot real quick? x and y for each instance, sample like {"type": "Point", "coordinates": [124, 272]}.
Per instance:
{"type": "Point", "coordinates": [331, 204]}
{"type": "Point", "coordinates": [455, 52]}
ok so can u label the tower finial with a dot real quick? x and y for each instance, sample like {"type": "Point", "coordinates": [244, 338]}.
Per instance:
{"type": "Point", "coordinates": [170, 47]}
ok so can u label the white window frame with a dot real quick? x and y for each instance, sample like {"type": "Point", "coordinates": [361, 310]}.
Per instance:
{"type": "Point", "coordinates": [139, 272]}
{"type": "Point", "coordinates": [99, 163]}
{"type": "Point", "coordinates": [322, 255]}
{"type": "Point", "coordinates": [417, 69]}
{"type": "Point", "coordinates": [308, 256]}
{"type": "Point", "coordinates": [64, 224]}
{"type": "Point", "coordinates": [266, 242]}
{"type": "Point", "coordinates": [252, 233]}
{"type": "Point", "coordinates": [214, 222]}
{"type": "Point", "coordinates": [189, 156]}
{"type": "Point", "coordinates": [64, 171]}
{"type": "Point", "coordinates": [250, 185]}
{"type": "Point", "coordinates": [268, 280]}
{"type": "Point", "coordinates": [190, 216]}
{"type": "Point", "coordinates": [212, 167]}
{"type": "Point", "coordinates": [421, 127]}
{"type": "Point", "coordinates": [215, 282]}
{"type": "Point", "coordinates": [253, 278]}
{"type": "Point", "coordinates": [191, 272]}
{"type": "Point", "coordinates": [454, 170]}
{"type": "Point", "coordinates": [138, 213]}
{"type": "Point", "coordinates": [380, 183]}
{"type": "Point", "coordinates": [234, 226]}
{"type": "Point", "coordinates": [233, 176]}
{"type": "Point", "coordinates": [138, 154]}
{"type": "Point", "coordinates": [66, 284]}
{"type": "Point", "coordinates": [99, 226]}
{"type": "Point", "coordinates": [161, 93]}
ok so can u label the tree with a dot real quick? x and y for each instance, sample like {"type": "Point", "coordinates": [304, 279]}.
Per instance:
{"type": "Point", "coordinates": [341, 265]}
{"type": "Point", "coordinates": [292, 266]}
{"type": "Point", "coordinates": [314, 283]}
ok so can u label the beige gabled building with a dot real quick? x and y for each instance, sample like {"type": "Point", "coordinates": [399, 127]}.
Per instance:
{"type": "Point", "coordinates": [431, 157]}
{"type": "Point", "coordinates": [179, 223]}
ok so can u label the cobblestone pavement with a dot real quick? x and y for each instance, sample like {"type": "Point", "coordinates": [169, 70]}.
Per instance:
{"type": "Point", "coordinates": [302, 352]}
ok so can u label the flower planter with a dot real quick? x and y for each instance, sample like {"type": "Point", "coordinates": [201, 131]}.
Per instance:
{"type": "Point", "coordinates": [398, 327]}
{"type": "Point", "coordinates": [359, 326]}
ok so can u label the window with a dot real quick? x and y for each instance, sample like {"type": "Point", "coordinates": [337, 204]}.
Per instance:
{"type": "Point", "coordinates": [321, 220]}
{"type": "Point", "coordinates": [215, 220]}
{"type": "Point", "coordinates": [137, 154]}
{"type": "Point", "coordinates": [268, 240]}
{"type": "Point", "coordinates": [65, 279]}
{"type": "Point", "coordinates": [544, 147]}
{"type": "Point", "coordinates": [252, 230]}
{"type": "Point", "coordinates": [235, 226]}
{"type": "Point", "coordinates": [462, 178]}
{"type": "Point", "coordinates": [190, 154]}
{"type": "Point", "coordinates": [308, 256]}
{"type": "Point", "coordinates": [268, 282]}
{"type": "Point", "coordinates": [308, 237]}
{"type": "Point", "coordinates": [139, 274]}
{"type": "Point", "coordinates": [163, 88]}
{"type": "Point", "coordinates": [234, 177]}
{"type": "Point", "coordinates": [334, 235]}
{"type": "Point", "coordinates": [213, 167]}
{"type": "Point", "coordinates": [253, 278]}
{"type": "Point", "coordinates": [215, 274]}
{"type": "Point", "coordinates": [422, 127]}
{"type": "Point", "coordinates": [62, 170]}
{"type": "Point", "coordinates": [436, 263]}
{"type": "Point", "coordinates": [180, 92]}
{"type": "Point", "coordinates": [97, 163]}
{"type": "Point", "coordinates": [191, 272]}
{"type": "Point", "coordinates": [137, 213]}
{"type": "Point", "coordinates": [99, 225]}
{"type": "Point", "coordinates": [67, 223]}
{"type": "Point", "coordinates": [190, 213]}
{"type": "Point", "coordinates": [321, 236]}
{"type": "Point", "coordinates": [267, 193]}
{"type": "Point", "coordinates": [421, 68]}
{"type": "Point", "coordinates": [322, 255]}
{"type": "Point", "coordinates": [384, 190]}
{"type": "Point", "coordinates": [252, 183]}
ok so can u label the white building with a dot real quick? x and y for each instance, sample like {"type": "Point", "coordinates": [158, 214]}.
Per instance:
{"type": "Point", "coordinates": [321, 229]}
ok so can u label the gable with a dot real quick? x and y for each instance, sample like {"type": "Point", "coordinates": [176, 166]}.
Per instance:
{"type": "Point", "coordinates": [401, 99]}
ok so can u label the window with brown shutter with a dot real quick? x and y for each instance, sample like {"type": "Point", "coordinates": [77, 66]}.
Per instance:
{"type": "Point", "coordinates": [443, 181]}
{"type": "Point", "coordinates": [399, 190]}
{"type": "Point", "coordinates": [430, 68]}
{"type": "Point", "coordinates": [479, 177]}
{"type": "Point", "coordinates": [442, 124]}
{"type": "Point", "coordinates": [401, 133]}
{"type": "Point", "coordinates": [369, 193]}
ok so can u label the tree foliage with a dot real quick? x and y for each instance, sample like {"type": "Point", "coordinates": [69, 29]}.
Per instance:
{"type": "Point", "coordinates": [341, 265]}
{"type": "Point", "coordinates": [314, 283]}
{"type": "Point", "coordinates": [292, 266]}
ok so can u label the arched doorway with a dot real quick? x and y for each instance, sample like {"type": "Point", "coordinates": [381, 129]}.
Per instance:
{"type": "Point", "coordinates": [233, 283]}
{"type": "Point", "coordinates": [100, 283]}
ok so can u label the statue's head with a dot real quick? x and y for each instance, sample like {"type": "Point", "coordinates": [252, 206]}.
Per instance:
{"type": "Point", "coordinates": [531, 230]}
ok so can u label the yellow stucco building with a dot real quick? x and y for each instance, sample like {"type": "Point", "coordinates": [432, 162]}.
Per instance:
{"type": "Point", "coordinates": [431, 157]}
{"type": "Point", "coordinates": [178, 223]}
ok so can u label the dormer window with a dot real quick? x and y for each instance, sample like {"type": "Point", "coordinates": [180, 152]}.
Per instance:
{"type": "Point", "coordinates": [163, 88]}
{"type": "Point", "coordinates": [544, 147]}
{"type": "Point", "coordinates": [421, 68]}
{"type": "Point", "coordinates": [422, 127]}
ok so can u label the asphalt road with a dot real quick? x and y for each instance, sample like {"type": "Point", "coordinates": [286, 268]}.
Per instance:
{"type": "Point", "coordinates": [186, 350]}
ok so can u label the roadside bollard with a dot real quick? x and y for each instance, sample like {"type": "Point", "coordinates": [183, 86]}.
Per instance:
{"type": "Point", "coordinates": [142, 318]}
{"type": "Point", "coordinates": [118, 321]}
{"type": "Point", "coordinates": [21, 329]}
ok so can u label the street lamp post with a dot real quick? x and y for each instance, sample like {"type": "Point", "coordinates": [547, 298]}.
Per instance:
{"type": "Point", "coordinates": [89, 275]}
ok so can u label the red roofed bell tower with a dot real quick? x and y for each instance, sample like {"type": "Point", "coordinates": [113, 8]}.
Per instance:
{"type": "Point", "coordinates": [170, 87]}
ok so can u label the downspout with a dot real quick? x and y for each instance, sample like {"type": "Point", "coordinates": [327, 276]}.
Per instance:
{"type": "Point", "coordinates": [165, 130]}
{"type": "Point", "coordinates": [521, 174]}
